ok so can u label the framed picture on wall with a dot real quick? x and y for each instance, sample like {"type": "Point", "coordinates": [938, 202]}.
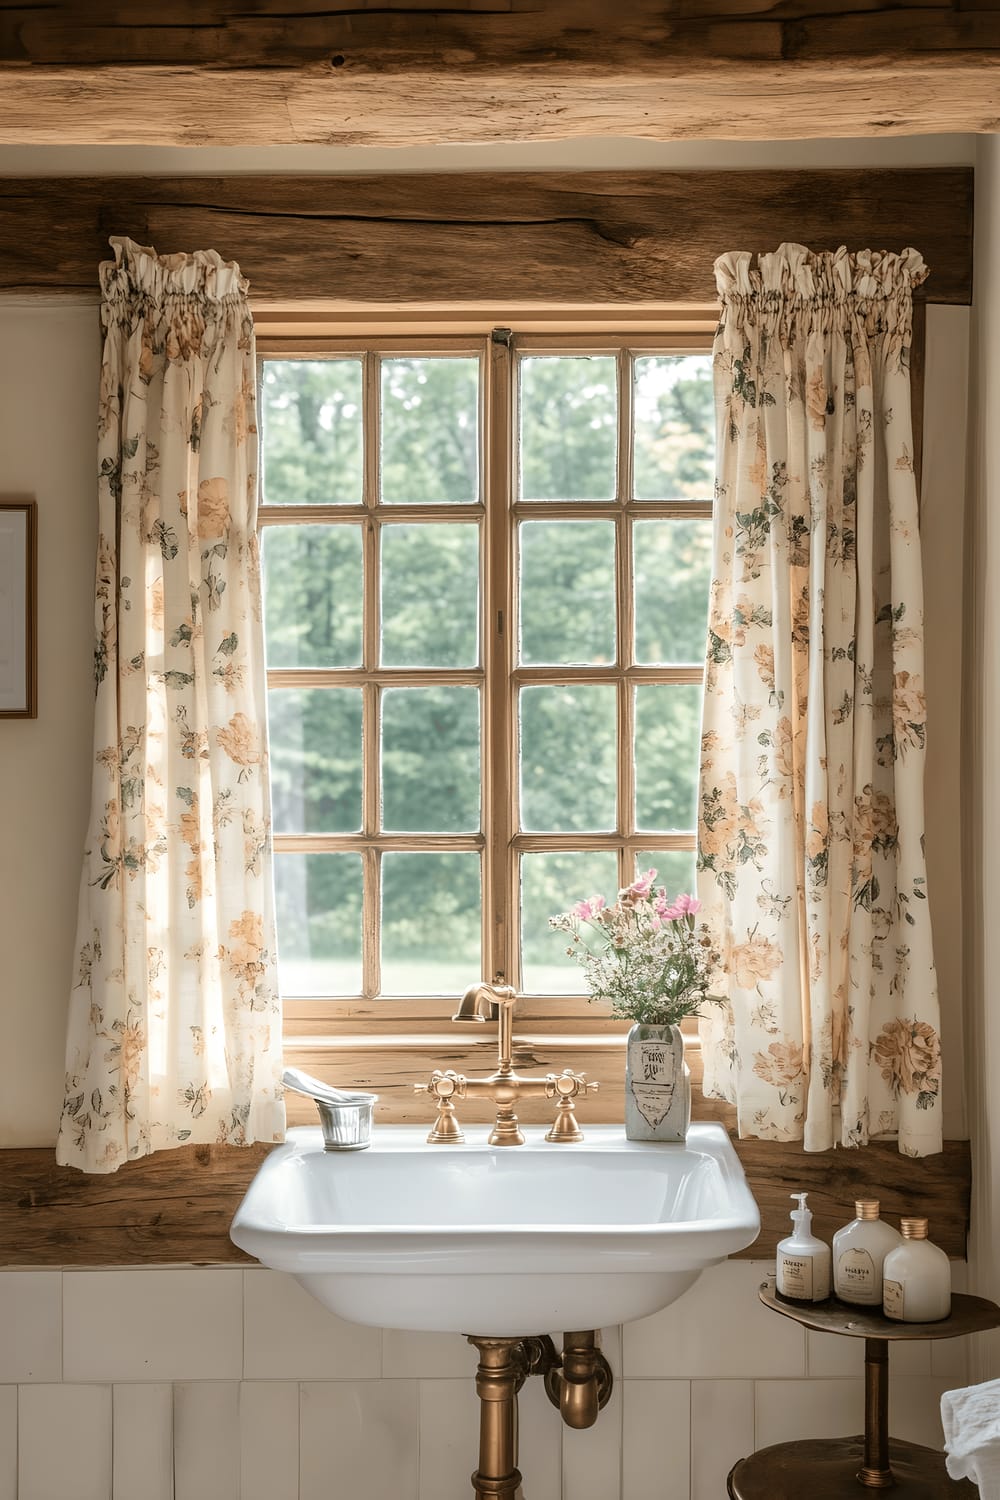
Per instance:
{"type": "Point", "coordinates": [18, 609]}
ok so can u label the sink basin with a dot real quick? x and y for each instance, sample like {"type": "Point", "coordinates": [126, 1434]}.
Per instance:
{"type": "Point", "coordinates": [503, 1241]}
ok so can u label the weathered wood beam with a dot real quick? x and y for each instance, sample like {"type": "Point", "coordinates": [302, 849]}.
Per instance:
{"type": "Point", "coordinates": [941, 1185]}
{"type": "Point", "coordinates": [637, 37]}
{"type": "Point", "coordinates": [173, 1207]}
{"type": "Point", "coordinates": [313, 105]}
{"type": "Point", "coordinates": [514, 238]}
{"type": "Point", "coordinates": [267, 73]}
{"type": "Point", "coordinates": [176, 1206]}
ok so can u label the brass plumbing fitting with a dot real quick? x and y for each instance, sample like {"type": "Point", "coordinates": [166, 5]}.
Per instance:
{"type": "Point", "coordinates": [579, 1382]}
{"type": "Point", "coordinates": [581, 1385]}
{"type": "Point", "coordinates": [504, 1086]}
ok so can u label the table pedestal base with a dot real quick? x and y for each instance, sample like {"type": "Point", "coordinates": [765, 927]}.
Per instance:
{"type": "Point", "coordinates": [828, 1469]}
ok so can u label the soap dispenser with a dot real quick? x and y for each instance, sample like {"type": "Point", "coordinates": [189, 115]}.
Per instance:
{"type": "Point", "coordinates": [859, 1250]}
{"type": "Point", "coordinates": [803, 1273]}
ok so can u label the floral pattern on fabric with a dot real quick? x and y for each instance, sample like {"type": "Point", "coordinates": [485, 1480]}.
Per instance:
{"type": "Point", "coordinates": [175, 1026]}
{"type": "Point", "coordinates": [811, 855]}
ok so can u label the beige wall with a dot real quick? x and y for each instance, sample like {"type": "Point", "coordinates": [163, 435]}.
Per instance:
{"type": "Point", "coordinates": [942, 535]}
{"type": "Point", "coordinates": [48, 402]}
{"type": "Point", "coordinates": [981, 809]}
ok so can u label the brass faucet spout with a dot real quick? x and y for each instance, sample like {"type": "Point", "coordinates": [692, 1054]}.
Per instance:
{"type": "Point", "coordinates": [480, 1001]}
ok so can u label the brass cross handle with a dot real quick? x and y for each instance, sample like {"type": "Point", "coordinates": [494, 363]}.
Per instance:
{"type": "Point", "coordinates": [565, 1086]}
{"type": "Point", "coordinates": [445, 1087]}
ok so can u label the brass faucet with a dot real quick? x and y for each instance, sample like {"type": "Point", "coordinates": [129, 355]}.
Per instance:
{"type": "Point", "coordinates": [504, 1087]}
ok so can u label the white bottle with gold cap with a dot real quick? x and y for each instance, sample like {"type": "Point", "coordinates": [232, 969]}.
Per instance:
{"type": "Point", "coordinates": [859, 1250]}
{"type": "Point", "coordinates": [917, 1278]}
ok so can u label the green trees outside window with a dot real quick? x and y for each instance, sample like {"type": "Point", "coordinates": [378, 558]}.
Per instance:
{"type": "Point", "coordinates": [320, 440]}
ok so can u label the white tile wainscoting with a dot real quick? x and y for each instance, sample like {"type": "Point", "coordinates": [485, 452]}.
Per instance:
{"type": "Point", "coordinates": [227, 1384]}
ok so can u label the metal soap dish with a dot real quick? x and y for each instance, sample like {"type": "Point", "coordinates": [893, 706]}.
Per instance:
{"type": "Point", "coordinates": [345, 1118]}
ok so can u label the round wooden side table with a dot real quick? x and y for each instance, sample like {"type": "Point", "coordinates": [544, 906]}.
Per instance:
{"type": "Point", "coordinates": [845, 1468]}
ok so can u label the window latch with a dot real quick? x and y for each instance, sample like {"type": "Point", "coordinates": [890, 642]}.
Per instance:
{"type": "Point", "coordinates": [502, 336]}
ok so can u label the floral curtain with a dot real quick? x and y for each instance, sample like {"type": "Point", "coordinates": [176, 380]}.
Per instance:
{"type": "Point", "coordinates": [174, 1025]}
{"type": "Point", "coordinates": [811, 852]}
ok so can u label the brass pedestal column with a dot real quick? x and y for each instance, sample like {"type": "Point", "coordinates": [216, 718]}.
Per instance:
{"type": "Point", "coordinates": [875, 1471]}
{"type": "Point", "coordinates": [500, 1376]}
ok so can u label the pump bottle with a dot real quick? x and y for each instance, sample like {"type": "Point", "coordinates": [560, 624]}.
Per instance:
{"type": "Point", "coordinates": [803, 1273]}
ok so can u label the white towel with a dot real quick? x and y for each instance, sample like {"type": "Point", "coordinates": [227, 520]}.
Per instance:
{"type": "Point", "coordinates": [971, 1422]}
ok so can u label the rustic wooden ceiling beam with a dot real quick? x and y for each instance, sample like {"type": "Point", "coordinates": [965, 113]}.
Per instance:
{"type": "Point", "coordinates": [637, 36]}
{"type": "Point", "coordinates": [522, 238]}
{"type": "Point", "coordinates": [265, 72]}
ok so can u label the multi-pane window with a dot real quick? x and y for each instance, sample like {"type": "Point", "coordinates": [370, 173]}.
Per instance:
{"type": "Point", "coordinates": [486, 575]}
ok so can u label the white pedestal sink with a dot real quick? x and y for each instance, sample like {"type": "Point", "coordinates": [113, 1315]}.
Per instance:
{"type": "Point", "coordinates": [504, 1241]}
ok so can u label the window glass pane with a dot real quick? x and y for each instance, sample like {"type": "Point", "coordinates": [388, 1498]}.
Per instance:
{"type": "Point", "coordinates": [673, 569]}
{"type": "Point", "coordinates": [568, 758]}
{"type": "Point", "coordinates": [313, 453]}
{"type": "Point", "coordinates": [431, 925]}
{"type": "Point", "coordinates": [674, 868]}
{"type": "Point", "coordinates": [667, 735]}
{"type": "Point", "coordinates": [430, 760]}
{"type": "Point", "coordinates": [550, 884]}
{"type": "Point", "coordinates": [430, 430]}
{"type": "Point", "coordinates": [567, 591]}
{"type": "Point", "coordinates": [313, 588]}
{"type": "Point", "coordinates": [315, 759]}
{"type": "Point", "coordinates": [430, 596]}
{"type": "Point", "coordinates": [569, 427]}
{"type": "Point", "coordinates": [318, 904]}
{"type": "Point", "coordinates": [674, 427]}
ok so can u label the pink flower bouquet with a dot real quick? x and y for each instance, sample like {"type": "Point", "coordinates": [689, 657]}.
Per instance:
{"type": "Point", "coordinates": [646, 953]}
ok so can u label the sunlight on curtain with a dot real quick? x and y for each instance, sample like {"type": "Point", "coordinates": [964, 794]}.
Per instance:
{"type": "Point", "coordinates": [174, 1026]}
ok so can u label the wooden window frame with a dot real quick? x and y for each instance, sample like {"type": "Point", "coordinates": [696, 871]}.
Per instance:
{"type": "Point", "coordinates": [387, 1043]}
{"type": "Point", "coordinates": [371, 677]}
{"type": "Point", "coordinates": [625, 674]}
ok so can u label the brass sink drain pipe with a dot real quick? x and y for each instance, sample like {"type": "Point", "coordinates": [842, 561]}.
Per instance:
{"type": "Point", "coordinates": [578, 1382]}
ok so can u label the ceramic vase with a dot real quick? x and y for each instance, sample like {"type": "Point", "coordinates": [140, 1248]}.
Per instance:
{"type": "Point", "coordinates": [657, 1085]}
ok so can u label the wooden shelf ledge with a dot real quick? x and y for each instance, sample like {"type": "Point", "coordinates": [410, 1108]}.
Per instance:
{"type": "Point", "coordinates": [174, 1208]}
